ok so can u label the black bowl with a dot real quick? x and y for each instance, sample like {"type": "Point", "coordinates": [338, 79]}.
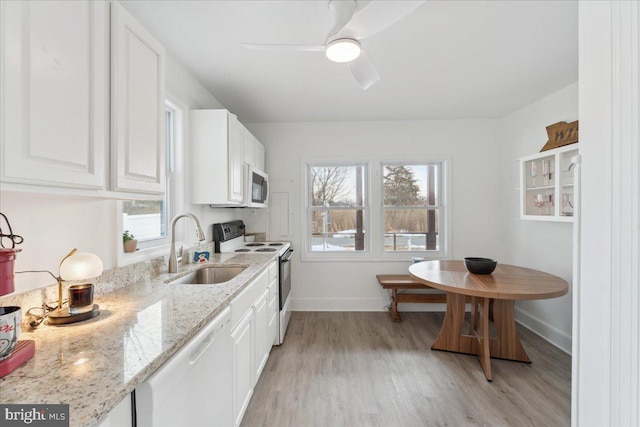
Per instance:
{"type": "Point", "coordinates": [480, 265]}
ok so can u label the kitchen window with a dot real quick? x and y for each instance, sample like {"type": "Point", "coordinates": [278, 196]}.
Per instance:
{"type": "Point", "coordinates": [412, 208]}
{"type": "Point", "coordinates": [410, 215]}
{"type": "Point", "coordinates": [148, 220]}
{"type": "Point", "coordinates": [337, 208]}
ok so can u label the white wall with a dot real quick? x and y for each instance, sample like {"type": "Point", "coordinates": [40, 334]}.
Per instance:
{"type": "Point", "coordinates": [606, 372]}
{"type": "Point", "coordinates": [473, 146]}
{"type": "Point", "coordinates": [541, 245]}
{"type": "Point", "coordinates": [52, 225]}
{"type": "Point", "coordinates": [189, 92]}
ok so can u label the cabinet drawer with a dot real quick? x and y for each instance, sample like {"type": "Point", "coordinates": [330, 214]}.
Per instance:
{"type": "Point", "coordinates": [273, 306]}
{"type": "Point", "coordinates": [273, 289]}
{"type": "Point", "coordinates": [273, 271]}
{"type": "Point", "coordinates": [245, 299]}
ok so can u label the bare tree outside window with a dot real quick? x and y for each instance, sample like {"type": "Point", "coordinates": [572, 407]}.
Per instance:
{"type": "Point", "coordinates": [411, 215]}
{"type": "Point", "coordinates": [337, 208]}
{"type": "Point", "coordinates": [329, 186]}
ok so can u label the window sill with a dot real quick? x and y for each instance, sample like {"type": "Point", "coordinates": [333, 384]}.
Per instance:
{"type": "Point", "coordinates": [145, 254]}
{"type": "Point", "coordinates": [404, 257]}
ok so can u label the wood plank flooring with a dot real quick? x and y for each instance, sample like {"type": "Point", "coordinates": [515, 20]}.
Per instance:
{"type": "Point", "coordinates": [361, 369]}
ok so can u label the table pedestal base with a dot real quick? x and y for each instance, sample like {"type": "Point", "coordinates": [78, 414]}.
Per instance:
{"type": "Point", "coordinates": [507, 344]}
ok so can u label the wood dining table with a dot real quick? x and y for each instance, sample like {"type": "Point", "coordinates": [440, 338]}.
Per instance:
{"type": "Point", "coordinates": [507, 284]}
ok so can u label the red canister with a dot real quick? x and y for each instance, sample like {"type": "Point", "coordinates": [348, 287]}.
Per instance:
{"type": "Point", "coordinates": [7, 258]}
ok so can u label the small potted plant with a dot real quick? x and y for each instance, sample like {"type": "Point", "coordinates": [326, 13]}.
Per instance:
{"type": "Point", "coordinates": [130, 243]}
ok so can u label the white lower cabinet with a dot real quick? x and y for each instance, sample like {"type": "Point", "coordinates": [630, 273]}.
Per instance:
{"type": "Point", "coordinates": [274, 304]}
{"type": "Point", "coordinates": [251, 340]}
{"type": "Point", "coordinates": [263, 347]}
{"type": "Point", "coordinates": [193, 388]}
{"type": "Point", "coordinates": [274, 310]}
{"type": "Point", "coordinates": [242, 366]}
{"type": "Point", "coordinates": [211, 379]}
{"type": "Point", "coordinates": [120, 416]}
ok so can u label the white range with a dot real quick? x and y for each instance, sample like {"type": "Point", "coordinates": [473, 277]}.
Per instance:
{"type": "Point", "coordinates": [228, 237]}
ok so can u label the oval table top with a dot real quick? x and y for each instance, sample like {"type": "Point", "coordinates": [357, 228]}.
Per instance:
{"type": "Point", "coordinates": [508, 282]}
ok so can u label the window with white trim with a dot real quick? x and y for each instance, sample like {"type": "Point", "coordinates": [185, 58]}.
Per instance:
{"type": "Point", "coordinates": [148, 220]}
{"type": "Point", "coordinates": [410, 216]}
{"type": "Point", "coordinates": [412, 208]}
{"type": "Point", "coordinates": [337, 208]}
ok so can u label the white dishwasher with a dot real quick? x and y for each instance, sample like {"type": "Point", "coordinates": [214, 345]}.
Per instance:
{"type": "Point", "coordinates": [194, 387]}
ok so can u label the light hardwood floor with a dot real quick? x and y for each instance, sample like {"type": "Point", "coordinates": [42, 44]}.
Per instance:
{"type": "Point", "coordinates": [361, 369]}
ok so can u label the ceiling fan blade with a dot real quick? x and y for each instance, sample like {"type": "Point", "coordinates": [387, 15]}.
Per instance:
{"type": "Point", "coordinates": [379, 15]}
{"type": "Point", "coordinates": [364, 71]}
{"type": "Point", "coordinates": [341, 11]}
{"type": "Point", "coordinates": [284, 47]}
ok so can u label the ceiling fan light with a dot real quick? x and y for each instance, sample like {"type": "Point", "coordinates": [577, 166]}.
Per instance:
{"type": "Point", "coordinates": [343, 50]}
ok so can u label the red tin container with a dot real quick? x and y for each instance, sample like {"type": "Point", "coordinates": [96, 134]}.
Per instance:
{"type": "Point", "coordinates": [7, 259]}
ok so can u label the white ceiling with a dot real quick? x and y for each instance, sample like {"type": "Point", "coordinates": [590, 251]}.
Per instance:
{"type": "Point", "coordinates": [448, 59]}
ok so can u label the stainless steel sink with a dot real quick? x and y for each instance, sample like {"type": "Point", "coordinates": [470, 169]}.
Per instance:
{"type": "Point", "coordinates": [210, 275]}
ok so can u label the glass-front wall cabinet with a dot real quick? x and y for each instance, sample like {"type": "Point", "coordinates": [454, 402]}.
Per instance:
{"type": "Point", "coordinates": [546, 185]}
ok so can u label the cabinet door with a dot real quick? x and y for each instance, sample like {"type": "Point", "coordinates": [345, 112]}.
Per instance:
{"type": "Point", "coordinates": [137, 106]}
{"type": "Point", "coordinates": [273, 313]}
{"type": "Point", "coordinates": [249, 147]}
{"type": "Point", "coordinates": [546, 185]}
{"type": "Point", "coordinates": [243, 350]}
{"type": "Point", "coordinates": [53, 118]}
{"type": "Point", "coordinates": [261, 322]}
{"type": "Point", "coordinates": [120, 416]}
{"type": "Point", "coordinates": [236, 150]}
{"type": "Point", "coordinates": [259, 156]}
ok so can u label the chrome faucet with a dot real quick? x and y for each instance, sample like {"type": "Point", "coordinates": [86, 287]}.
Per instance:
{"type": "Point", "coordinates": [173, 259]}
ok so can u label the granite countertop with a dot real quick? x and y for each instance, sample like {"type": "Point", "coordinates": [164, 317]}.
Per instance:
{"type": "Point", "coordinates": [95, 364]}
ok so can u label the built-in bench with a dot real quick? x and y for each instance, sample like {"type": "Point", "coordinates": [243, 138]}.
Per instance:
{"type": "Point", "coordinates": [397, 282]}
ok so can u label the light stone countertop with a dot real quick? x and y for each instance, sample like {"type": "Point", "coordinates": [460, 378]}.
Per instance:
{"type": "Point", "coordinates": [95, 364]}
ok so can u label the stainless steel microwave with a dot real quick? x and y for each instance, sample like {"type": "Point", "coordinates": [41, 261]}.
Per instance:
{"type": "Point", "coordinates": [256, 193]}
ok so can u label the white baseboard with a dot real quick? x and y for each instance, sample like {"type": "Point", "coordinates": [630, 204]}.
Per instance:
{"type": "Point", "coordinates": [409, 307]}
{"type": "Point", "coordinates": [338, 304]}
{"type": "Point", "coordinates": [357, 304]}
{"type": "Point", "coordinates": [541, 328]}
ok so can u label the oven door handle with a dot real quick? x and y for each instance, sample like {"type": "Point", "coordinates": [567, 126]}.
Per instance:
{"type": "Point", "coordinates": [287, 259]}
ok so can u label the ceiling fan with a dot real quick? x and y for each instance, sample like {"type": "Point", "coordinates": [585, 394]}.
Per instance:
{"type": "Point", "coordinates": [350, 26]}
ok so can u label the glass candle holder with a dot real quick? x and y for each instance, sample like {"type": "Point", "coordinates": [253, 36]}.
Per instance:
{"type": "Point", "coordinates": [80, 298]}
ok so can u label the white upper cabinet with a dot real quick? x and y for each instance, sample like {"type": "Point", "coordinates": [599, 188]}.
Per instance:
{"type": "Point", "coordinates": [546, 185]}
{"type": "Point", "coordinates": [137, 106]}
{"type": "Point", "coordinates": [253, 150]}
{"type": "Point", "coordinates": [216, 152]}
{"type": "Point", "coordinates": [54, 86]}
{"type": "Point", "coordinates": [259, 155]}
{"type": "Point", "coordinates": [236, 154]}
{"type": "Point", "coordinates": [249, 147]}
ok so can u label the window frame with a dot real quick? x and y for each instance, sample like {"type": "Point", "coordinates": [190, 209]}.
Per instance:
{"type": "Point", "coordinates": [441, 206]}
{"type": "Point", "coordinates": [174, 190]}
{"type": "Point", "coordinates": [374, 212]}
{"type": "Point", "coordinates": [307, 253]}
